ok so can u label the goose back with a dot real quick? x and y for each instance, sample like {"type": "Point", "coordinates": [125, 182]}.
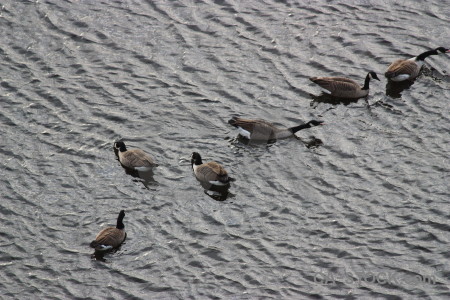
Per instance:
{"type": "Point", "coordinates": [110, 236]}
{"type": "Point", "coordinates": [136, 159]}
{"type": "Point", "coordinates": [403, 69]}
{"type": "Point", "coordinates": [211, 172]}
{"type": "Point", "coordinates": [259, 129]}
{"type": "Point", "coordinates": [341, 87]}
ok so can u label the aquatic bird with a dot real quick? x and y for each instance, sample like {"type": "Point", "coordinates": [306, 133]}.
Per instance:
{"type": "Point", "coordinates": [135, 159]}
{"type": "Point", "coordinates": [211, 172]}
{"type": "Point", "coordinates": [342, 87]}
{"type": "Point", "coordinates": [110, 237]}
{"type": "Point", "coordinates": [261, 130]}
{"type": "Point", "coordinates": [408, 69]}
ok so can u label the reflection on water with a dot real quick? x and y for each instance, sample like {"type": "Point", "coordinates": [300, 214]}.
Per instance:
{"type": "Point", "coordinates": [326, 98]}
{"type": "Point", "coordinates": [312, 142]}
{"type": "Point", "coordinates": [249, 142]}
{"type": "Point", "coordinates": [167, 74]}
{"type": "Point", "coordinates": [100, 255]}
{"type": "Point", "coordinates": [216, 192]}
{"type": "Point", "coordinates": [145, 177]}
{"type": "Point", "coordinates": [395, 89]}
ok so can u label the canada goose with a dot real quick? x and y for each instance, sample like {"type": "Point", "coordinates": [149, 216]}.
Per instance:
{"type": "Point", "coordinates": [134, 159]}
{"type": "Point", "coordinates": [408, 69]}
{"type": "Point", "coordinates": [342, 87]}
{"type": "Point", "coordinates": [261, 130]}
{"type": "Point", "coordinates": [110, 237]}
{"type": "Point", "coordinates": [211, 172]}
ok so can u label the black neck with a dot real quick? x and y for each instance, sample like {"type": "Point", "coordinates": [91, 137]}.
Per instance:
{"type": "Point", "coordinates": [123, 148]}
{"type": "Point", "coordinates": [366, 83]}
{"type": "Point", "coordinates": [120, 223]}
{"type": "Point", "coordinates": [426, 54]}
{"type": "Point", "coordinates": [299, 127]}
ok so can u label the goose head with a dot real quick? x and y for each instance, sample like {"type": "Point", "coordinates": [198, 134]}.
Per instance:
{"type": "Point", "coordinates": [196, 159]}
{"type": "Point", "coordinates": [442, 50]}
{"type": "Point", "coordinates": [120, 146]}
{"type": "Point", "coordinates": [373, 75]}
{"type": "Point", "coordinates": [313, 123]}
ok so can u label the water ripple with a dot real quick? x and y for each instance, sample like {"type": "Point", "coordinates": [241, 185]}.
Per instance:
{"type": "Point", "coordinates": [166, 77]}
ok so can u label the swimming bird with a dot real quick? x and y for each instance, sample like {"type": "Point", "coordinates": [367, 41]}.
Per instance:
{"type": "Point", "coordinates": [342, 87]}
{"type": "Point", "coordinates": [408, 69]}
{"type": "Point", "coordinates": [110, 237]}
{"type": "Point", "coordinates": [135, 159]}
{"type": "Point", "coordinates": [211, 172]}
{"type": "Point", "coordinates": [261, 130]}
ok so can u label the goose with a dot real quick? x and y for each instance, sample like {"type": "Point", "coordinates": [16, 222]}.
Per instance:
{"type": "Point", "coordinates": [110, 237]}
{"type": "Point", "coordinates": [211, 172]}
{"type": "Point", "coordinates": [265, 131]}
{"type": "Point", "coordinates": [135, 159]}
{"type": "Point", "coordinates": [342, 87]}
{"type": "Point", "coordinates": [408, 69]}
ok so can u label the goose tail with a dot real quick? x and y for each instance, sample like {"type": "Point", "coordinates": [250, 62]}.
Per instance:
{"type": "Point", "coordinates": [230, 179]}
{"type": "Point", "coordinates": [100, 247]}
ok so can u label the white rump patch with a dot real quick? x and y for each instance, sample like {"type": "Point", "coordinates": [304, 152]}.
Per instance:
{"type": "Point", "coordinates": [325, 91]}
{"type": "Point", "coordinates": [216, 182]}
{"type": "Point", "coordinates": [401, 77]}
{"type": "Point", "coordinates": [244, 132]}
{"type": "Point", "coordinates": [104, 248]}
{"type": "Point", "coordinates": [143, 169]}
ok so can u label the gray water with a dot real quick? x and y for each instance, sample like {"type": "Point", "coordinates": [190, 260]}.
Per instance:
{"type": "Point", "coordinates": [355, 209]}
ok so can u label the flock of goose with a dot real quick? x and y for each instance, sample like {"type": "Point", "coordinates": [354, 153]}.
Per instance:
{"type": "Point", "coordinates": [215, 174]}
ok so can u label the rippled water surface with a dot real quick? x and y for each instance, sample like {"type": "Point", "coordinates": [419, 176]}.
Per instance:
{"type": "Point", "coordinates": [356, 209]}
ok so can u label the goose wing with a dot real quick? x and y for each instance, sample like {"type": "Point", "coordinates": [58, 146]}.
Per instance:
{"type": "Point", "coordinates": [216, 168]}
{"type": "Point", "coordinates": [336, 84]}
{"type": "Point", "coordinates": [256, 128]}
{"type": "Point", "coordinates": [245, 124]}
{"type": "Point", "coordinates": [211, 171]}
{"type": "Point", "coordinates": [111, 236]}
{"type": "Point", "coordinates": [401, 66]}
{"type": "Point", "coordinates": [137, 158]}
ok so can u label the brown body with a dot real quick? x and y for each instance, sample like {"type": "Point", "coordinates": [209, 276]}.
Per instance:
{"type": "Point", "coordinates": [210, 172]}
{"type": "Point", "coordinates": [409, 69]}
{"type": "Point", "coordinates": [260, 129]}
{"type": "Point", "coordinates": [110, 237]}
{"type": "Point", "coordinates": [342, 87]}
{"type": "Point", "coordinates": [403, 68]}
{"type": "Point", "coordinates": [135, 159]}
{"type": "Point", "coordinates": [265, 131]}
